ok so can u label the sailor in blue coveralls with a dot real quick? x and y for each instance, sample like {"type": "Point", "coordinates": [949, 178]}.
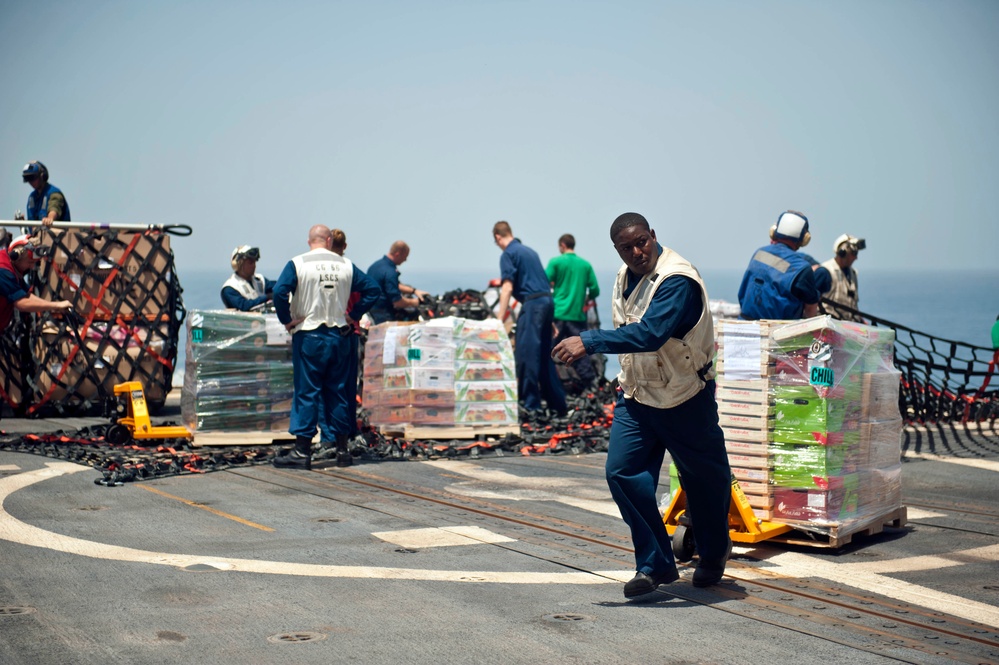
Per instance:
{"type": "Point", "coordinates": [394, 294]}
{"type": "Point", "coordinates": [665, 337]}
{"type": "Point", "coordinates": [780, 282]}
{"type": "Point", "coordinates": [321, 326]}
{"type": "Point", "coordinates": [524, 278]}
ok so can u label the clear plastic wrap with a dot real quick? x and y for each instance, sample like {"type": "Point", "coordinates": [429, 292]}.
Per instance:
{"type": "Point", "coordinates": [446, 372]}
{"type": "Point", "coordinates": [238, 375]}
{"type": "Point", "coordinates": [820, 419]}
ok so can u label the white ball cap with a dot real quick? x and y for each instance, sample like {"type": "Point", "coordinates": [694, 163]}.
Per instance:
{"type": "Point", "coordinates": [792, 226]}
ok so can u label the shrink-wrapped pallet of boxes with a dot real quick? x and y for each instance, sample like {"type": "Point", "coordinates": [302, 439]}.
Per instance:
{"type": "Point", "coordinates": [745, 369]}
{"type": "Point", "coordinates": [810, 414]}
{"type": "Point", "coordinates": [238, 374]}
{"type": "Point", "coordinates": [447, 372]}
{"type": "Point", "coordinates": [836, 433]}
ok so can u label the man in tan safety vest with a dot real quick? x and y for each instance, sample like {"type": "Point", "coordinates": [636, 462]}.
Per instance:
{"type": "Point", "coordinates": [844, 289]}
{"type": "Point", "coordinates": [665, 337]}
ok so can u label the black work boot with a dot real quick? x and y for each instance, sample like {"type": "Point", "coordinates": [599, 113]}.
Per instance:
{"type": "Point", "coordinates": [343, 456]}
{"type": "Point", "coordinates": [299, 457]}
{"type": "Point", "coordinates": [327, 450]}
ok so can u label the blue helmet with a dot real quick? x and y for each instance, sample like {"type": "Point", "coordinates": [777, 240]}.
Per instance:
{"type": "Point", "coordinates": [32, 169]}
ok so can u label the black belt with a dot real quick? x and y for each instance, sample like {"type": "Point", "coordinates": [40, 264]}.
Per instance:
{"type": "Point", "coordinates": [343, 330]}
{"type": "Point", "coordinates": [534, 296]}
{"type": "Point", "coordinates": [704, 371]}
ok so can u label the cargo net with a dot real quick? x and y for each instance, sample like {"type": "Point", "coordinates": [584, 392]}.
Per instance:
{"type": "Point", "coordinates": [943, 381]}
{"type": "Point", "coordinates": [124, 324]}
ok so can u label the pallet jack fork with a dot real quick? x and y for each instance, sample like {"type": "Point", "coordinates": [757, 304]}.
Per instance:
{"type": "Point", "coordinates": [743, 525]}
{"type": "Point", "coordinates": [136, 424]}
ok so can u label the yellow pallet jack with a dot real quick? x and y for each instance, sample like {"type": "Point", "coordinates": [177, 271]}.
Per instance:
{"type": "Point", "coordinates": [132, 419]}
{"type": "Point", "coordinates": [744, 526]}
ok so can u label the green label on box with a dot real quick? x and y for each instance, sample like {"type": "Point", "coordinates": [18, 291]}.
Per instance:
{"type": "Point", "coordinates": [821, 376]}
{"type": "Point", "coordinates": [413, 354]}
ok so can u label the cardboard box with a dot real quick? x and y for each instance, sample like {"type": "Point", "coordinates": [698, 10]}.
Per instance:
{"type": "Point", "coordinates": [478, 371]}
{"type": "Point", "coordinates": [745, 434]}
{"type": "Point", "coordinates": [880, 396]}
{"type": "Point", "coordinates": [837, 503]}
{"type": "Point", "coordinates": [109, 273]}
{"type": "Point", "coordinates": [742, 421]}
{"type": "Point", "coordinates": [809, 466]}
{"type": "Point", "coordinates": [494, 413]}
{"type": "Point", "coordinates": [485, 391]}
{"type": "Point", "coordinates": [881, 443]}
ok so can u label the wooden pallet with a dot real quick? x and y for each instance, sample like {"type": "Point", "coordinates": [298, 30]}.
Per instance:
{"type": "Point", "coordinates": [838, 537]}
{"type": "Point", "coordinates": [439, 432]}
{"type": "Point", "coordinates": [251, 438]}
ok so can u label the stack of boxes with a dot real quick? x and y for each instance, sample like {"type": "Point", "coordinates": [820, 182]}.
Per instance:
{"type": "Point", "coordinates": [123, 285]}
{"type": "Point", "coordinates": [238, 375]}
{"type": "Point", "coordinates": [745, 372]}
{"type": "Point", "coordinates": [811, 419]}
{"type": "Point", "coordinates": [450, 371]}
{"type": "Point", "coordinates": [836, 439]}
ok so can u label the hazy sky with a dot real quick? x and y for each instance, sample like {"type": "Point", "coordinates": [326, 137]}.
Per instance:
{"type": "Point", "coordinates": [429, 121]}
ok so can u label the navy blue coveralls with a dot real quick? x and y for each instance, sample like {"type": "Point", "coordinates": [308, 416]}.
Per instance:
{"type": "Point", "coordinates": [386, 274]}
{"type": "Point", "coordinates": [536, 373]}
{"type": "Point", "coordinates": [641, 435]}
{"type": "Point", "coordinates": [321, 359]}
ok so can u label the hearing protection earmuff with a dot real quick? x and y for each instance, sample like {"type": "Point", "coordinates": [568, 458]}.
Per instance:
{"type": "Point", "coordinates": [19, 246]}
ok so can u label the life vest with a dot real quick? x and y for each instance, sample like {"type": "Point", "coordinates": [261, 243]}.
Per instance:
{"type": "Point", "coordinates": [678, 370]}
{"type": "Point", "coordinates": [38, 204]}
{"type": "Point", "coordinates": [844, 284]}
{"type": "Point", "coordinates": [247, 289]}
{"type": "Point", "coordinates": [766, 286]}
{"type": "Point", "coordinates": [6, 305]}
{"type": "Point", "coordinates": [324, 281]}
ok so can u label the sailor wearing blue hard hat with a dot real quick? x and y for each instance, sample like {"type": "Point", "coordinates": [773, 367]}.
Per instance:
{"type": "Point", "coordinates": [46, 203]}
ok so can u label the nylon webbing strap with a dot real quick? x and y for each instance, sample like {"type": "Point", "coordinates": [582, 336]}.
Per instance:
{"type": "Point", "coordinates": [125, 288]}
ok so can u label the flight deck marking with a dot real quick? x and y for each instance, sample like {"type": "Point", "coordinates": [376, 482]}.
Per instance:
{"type": "Point", "coordinates": [16, 531]}
{"type": "Point", "coordinates": [871, 576]}
{"type": "Point", "coordinates": [534, 489]}
{"type": "Point", "coordinates": [988, 465]}
{"type": "Point", "coordinates": [447, 536]}
{"type": "Point", "coordinates": [867, 575]}
{"type": "Point", "coordinates": [213, 511]}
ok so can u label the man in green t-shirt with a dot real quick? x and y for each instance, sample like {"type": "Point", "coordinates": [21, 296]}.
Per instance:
{"type": "Point", "coordinates": [573, 285]}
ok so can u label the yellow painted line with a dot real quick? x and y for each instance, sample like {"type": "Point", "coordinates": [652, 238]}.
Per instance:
{"type": "Point", "coordinates": [211, 510]}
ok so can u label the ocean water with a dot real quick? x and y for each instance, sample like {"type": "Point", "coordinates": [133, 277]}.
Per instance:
{"type": "Point", "coordinates": [955, 305]}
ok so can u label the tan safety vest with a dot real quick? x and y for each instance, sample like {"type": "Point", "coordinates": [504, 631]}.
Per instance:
{"type": "Point", "coordinates": [246, 289]}
{"type": "Point", "coordinates": [844, 286]}
{"type": "Point", "coordinates": [672, 374]}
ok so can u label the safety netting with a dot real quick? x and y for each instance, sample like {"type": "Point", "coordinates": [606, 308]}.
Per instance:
{"type": "Point", "coordinates": [124, 324]}
{"type": "Point", "coordinates": [943, 381]}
